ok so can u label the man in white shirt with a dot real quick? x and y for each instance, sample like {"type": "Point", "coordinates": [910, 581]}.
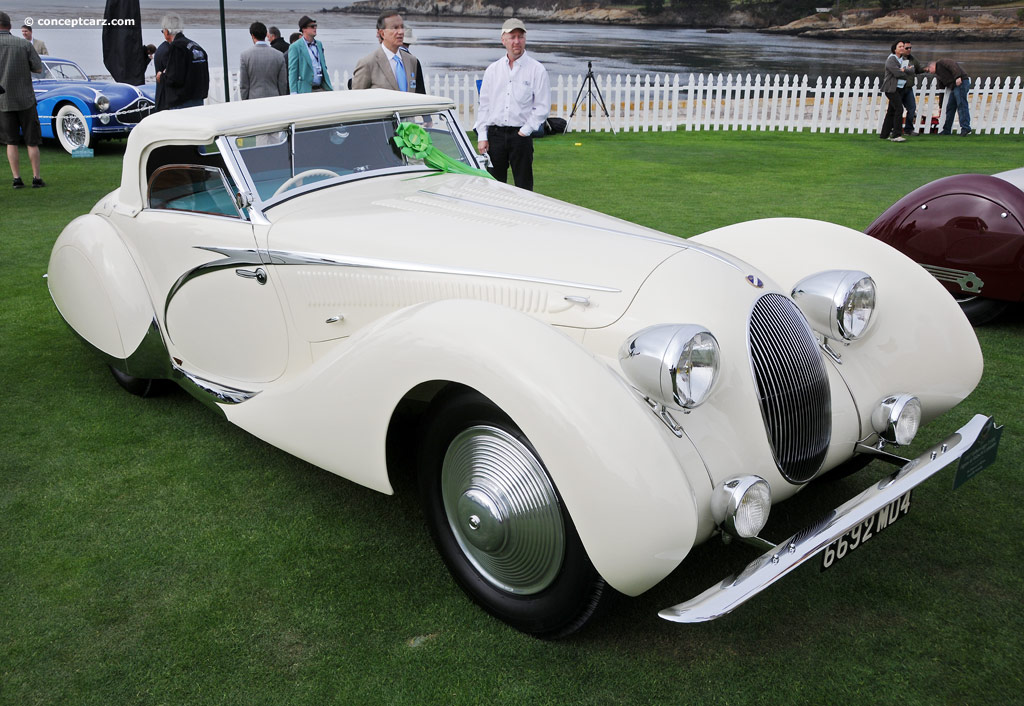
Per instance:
{"type": "Point", "coordinates": [515, 99]}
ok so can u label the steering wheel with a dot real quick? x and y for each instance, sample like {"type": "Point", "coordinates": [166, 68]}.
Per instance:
{"type": "Point", "coordinates": [302, 175]}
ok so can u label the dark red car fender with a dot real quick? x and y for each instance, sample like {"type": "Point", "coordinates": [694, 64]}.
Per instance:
{"type": "Point", "coordinates": [966, 229]}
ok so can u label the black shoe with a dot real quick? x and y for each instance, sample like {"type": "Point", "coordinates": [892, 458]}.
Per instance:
{"type": "Point", "coordinates": [965, 133]}
{"type": "Point", "coordinates": [18, 183]}
{"type": "Point", "coordinates": [37, 182]}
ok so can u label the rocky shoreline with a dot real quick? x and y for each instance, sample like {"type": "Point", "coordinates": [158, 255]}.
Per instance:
{"type": "Point", "coordinates": [967, 25]}
{"type": "Point", "coordinates": [938, 27]}
{"type": "Point", "coordinates": [589, 13]}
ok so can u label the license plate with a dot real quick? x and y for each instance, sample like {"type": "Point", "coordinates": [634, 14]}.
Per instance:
{"type": "Point", "coordinates": [868, 528]}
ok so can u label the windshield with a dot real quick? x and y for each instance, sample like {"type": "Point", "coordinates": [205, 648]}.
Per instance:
{"type": "Point", "coordinates": [62, 70]}
{"type": "Point", "coordinates": [282, 161]}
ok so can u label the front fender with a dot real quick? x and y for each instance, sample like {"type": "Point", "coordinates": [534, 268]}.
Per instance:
{"type": "Point", "coordinates": [97, 287]}
{"type": "Point", "coordinates": [49, 107]}
{"type": "Point", "coordinates": [919, 341]}
{"type": "Point", "coordinates": [617, 468]}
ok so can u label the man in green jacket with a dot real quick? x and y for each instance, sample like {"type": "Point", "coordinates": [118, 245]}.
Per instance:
{"type": "Point", "coordinates": [307, 67]}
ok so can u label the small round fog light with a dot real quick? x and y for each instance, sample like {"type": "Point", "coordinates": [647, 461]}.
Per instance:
{"type": "Point", "coordinates": [741, 505]}
{"type": "Point", "coordinates": [897, 418]}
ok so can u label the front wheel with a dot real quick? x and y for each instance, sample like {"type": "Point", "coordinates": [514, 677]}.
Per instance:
{"type": "Point", "coordinates": [71, 128]}
{"type": "Point", "coordinates": [499, 523]}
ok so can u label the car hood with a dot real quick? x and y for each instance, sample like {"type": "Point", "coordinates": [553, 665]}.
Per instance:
{"type": "Point", "coordinates": [513, 245]}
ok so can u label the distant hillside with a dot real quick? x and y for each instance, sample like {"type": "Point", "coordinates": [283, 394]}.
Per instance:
{"type": "Point", "coordinates": [798, 17]}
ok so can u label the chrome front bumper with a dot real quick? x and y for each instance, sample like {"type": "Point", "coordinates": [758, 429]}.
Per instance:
{"type": "Point", "coordinates": [806, 544]}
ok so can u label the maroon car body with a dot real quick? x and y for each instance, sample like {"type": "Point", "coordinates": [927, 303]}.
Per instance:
{"type": "Point", "coordinates": [968, 231]}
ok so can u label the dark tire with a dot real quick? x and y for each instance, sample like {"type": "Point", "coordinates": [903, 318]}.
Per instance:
{"type": "Point", "coordinates": [980, 311]}
{"type": "Point", "coordinates": [141, 387]}
{"type": "Point", "coordinates": [499, 523]}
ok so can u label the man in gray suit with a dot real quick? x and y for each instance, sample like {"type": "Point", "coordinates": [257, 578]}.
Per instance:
{"type": "Point", "coordinates": [264, 70]}
{"type": "Point", "coordinates": [389, 66]}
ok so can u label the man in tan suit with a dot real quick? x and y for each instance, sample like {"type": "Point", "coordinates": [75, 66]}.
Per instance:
{"type": "Point", "coordinates": [38, 44]}
{"type": "Point", "coordinates": [389, 66]}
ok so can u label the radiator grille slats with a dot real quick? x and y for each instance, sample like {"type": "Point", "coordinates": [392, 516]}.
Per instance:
{"type": "Point", "coordinates": [792, 387]}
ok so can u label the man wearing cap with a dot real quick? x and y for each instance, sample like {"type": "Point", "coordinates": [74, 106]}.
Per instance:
{"type": "Point", "coordinates": [307, 67]}
{"type": "Point", "coordinates": [388, 66]}
{"type": "Point", "coordinates": [515, 99]}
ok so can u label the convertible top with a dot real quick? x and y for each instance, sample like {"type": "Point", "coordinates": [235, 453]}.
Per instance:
{"type": "Point", "coordinates": [201, 125]}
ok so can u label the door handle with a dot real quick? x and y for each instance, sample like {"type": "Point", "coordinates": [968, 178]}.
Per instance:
{"type": "Point", "coordinates": [259, 274]}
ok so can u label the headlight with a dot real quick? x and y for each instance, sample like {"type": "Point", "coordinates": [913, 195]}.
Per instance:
{"type": "Point", "coordinates": [102, 103]}
{"type": "Point", "coordinates": [741, 505]}
{"type": "Point", "coordinates": [897, 418]}
{"type": "Point", "coordinates": [838, 303]}
{"type": "Point", "coordinates": [673, 364]}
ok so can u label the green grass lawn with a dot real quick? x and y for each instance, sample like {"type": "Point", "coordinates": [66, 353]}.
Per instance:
{"type": "Point", "coordinates": [152, 553]}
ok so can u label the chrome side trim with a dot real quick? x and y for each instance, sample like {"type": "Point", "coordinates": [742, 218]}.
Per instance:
{"type": "Point", "coordinates": [233, 257]}
{"type": "Point", "coordinates": [280, 257]}
{"type": "Point", "coordinates": [212, 392]}
{"type": "Point", "coordinates": [967, 281]}
{"type": "Point", "coordinates": [785, 557]}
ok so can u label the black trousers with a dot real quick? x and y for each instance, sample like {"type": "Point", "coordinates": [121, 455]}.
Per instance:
{"type": "Point", "coordinates": [508, 149]}
{"type": "Point", "coordinates": [892, 124]}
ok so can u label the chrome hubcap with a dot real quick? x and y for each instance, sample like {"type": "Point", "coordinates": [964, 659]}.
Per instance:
{"type": "Point", "coordinates": [503, 510]}
{"type": "Point", "coordinates": [74, 129]}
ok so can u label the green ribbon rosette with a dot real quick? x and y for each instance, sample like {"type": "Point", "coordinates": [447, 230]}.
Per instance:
{"type": "Point", "coordinates": [415, 143]}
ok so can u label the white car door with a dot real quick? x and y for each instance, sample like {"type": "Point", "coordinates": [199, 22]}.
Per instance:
{"type": "Point", "coordinates": [215, 300]}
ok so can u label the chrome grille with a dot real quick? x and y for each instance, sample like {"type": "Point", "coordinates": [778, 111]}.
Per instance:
{"type": "Point", "coordinates": [792, 387]}
{"type": "Point", "coordinates": [135, 111]}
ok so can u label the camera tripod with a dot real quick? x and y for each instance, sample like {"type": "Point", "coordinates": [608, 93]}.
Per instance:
{"type": "Point", "coordinates": [591, 87]}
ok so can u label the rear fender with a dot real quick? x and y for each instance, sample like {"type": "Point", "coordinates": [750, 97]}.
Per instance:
{"type": "Point", "coordinates": [99, 291]}
{"type": "Point", "coordinates": [616, 467]}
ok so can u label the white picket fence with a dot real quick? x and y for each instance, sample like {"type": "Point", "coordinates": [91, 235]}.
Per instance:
{"type": "Point", "coordinates": [732, 102]}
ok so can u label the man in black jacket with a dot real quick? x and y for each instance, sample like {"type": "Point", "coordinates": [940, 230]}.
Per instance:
{"type": "Point", "coordinates": [276, 40]}
{"type": "Point", "coordinates": [186, 80]}
{"type": "Point", "coordinates": [951, 75]}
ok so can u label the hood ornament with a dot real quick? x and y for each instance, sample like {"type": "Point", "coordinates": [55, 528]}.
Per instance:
{"type": "Point", "coordinates": [755, 281]}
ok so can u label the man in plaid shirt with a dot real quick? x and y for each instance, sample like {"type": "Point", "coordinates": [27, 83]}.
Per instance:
{"type": "Point", "coordinates": [19, 121]}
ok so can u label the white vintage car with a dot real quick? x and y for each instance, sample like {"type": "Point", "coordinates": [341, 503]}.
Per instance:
{"type": "Point", "coordinates": [594, 398]}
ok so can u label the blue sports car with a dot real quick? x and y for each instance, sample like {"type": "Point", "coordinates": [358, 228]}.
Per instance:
{"type": "Point", "coordinates": [76, 110]}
